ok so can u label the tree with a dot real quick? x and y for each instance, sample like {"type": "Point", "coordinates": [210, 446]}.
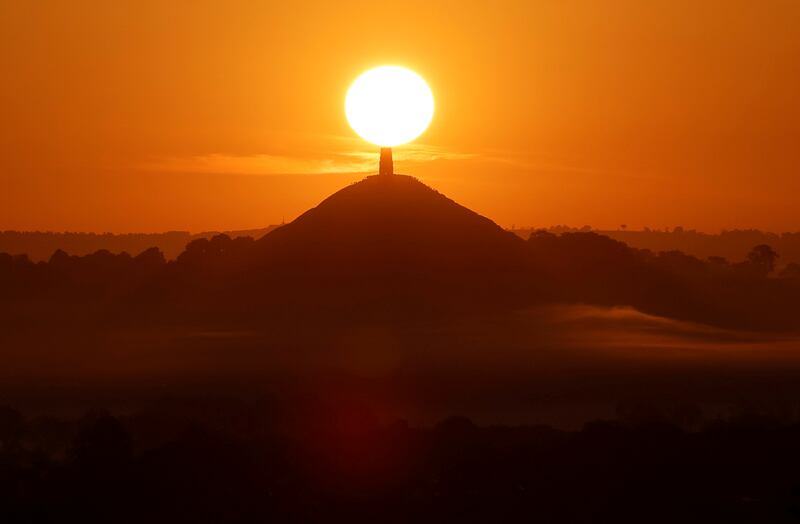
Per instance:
{"type": "Point", "coordinates": [763, 257]}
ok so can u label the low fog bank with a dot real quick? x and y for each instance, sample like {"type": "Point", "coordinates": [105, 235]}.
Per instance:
{"type": "Point", "coordinates": [560, 365]}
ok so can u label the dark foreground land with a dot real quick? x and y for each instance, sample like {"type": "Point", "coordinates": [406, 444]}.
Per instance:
{"type": "Point", "coordinates": [256, 380]}
{"type": "Point", "coordinates": [230, 461]}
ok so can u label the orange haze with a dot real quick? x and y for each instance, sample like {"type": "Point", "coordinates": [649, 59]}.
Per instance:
{"type": "Point", "coordinates": [149, 115]}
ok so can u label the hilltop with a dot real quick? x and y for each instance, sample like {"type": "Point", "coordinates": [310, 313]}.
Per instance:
{"type": "Point", "coordinates": [393, 237]}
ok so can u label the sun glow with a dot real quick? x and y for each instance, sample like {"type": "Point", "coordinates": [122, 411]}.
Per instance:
{"type": "Point", "coordinates": [389, 106]}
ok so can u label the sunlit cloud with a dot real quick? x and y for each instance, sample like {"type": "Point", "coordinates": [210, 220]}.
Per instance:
{"type": "Point", "coordinates": [261, 164]}
{"type": "Point", "coordinates": [346, 156]}
{"type": "Point", "coordinates": [350, 155]}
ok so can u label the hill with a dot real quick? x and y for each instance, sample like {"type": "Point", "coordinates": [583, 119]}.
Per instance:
{"type": "Point", "coordinates": [390, 250]}
{"type": "Point", "coordinates": [392, 238]}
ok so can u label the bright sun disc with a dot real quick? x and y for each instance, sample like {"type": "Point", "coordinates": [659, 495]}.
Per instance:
{"type": "Point", "coordinates": [389, 106]}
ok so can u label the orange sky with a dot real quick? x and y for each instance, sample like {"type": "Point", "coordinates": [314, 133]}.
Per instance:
{"type": "Point", "coordinates": [153, 115]}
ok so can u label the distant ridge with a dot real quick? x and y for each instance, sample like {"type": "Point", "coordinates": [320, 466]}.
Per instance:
{"type": "Point", "coordinates": [40, 245]}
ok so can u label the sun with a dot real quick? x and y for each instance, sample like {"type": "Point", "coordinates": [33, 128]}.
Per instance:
{"type": "Point", "coordinates": [389, 105]}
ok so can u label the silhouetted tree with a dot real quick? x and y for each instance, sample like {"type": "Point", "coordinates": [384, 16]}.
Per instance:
{"type": "Point", "coordinates": [763, 257]}
{"type": "Point", "coordinates": [59, 258]}
{"type": "Point", "coordinates": [152, 257]}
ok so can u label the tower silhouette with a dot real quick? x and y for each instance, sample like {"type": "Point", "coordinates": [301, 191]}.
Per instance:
{"type": "Point", "coordinates": [386, 166]}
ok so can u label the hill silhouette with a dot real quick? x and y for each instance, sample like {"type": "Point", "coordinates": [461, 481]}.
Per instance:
{"type": "Point", "coordinates": [389, 249]}
{"type": "Point", "coordinates": [392, 240]}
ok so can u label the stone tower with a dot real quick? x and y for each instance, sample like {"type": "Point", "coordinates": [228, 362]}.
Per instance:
{"type": "Point", "coordinates": [386, 167]}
